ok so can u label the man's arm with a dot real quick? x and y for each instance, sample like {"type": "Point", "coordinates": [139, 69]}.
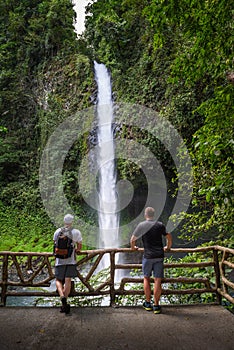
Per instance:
{"type": "Point", "coordinates": [133, 243]}
{"type": "Point", "coordinates": [78, 246]}
{"type": "Point", "coordinates": [169, 242]}
{"type": "Point", "coordinates": [77, 239]}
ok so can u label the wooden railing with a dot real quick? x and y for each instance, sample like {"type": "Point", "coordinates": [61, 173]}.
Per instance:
{"type": "Point", "coordinates": [26, 273]}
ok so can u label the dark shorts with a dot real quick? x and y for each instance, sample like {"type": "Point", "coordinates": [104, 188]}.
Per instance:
{"type": "Point", "coordinates": [153, 265]}
{"type": "Point", "coordinates": [63, 271]}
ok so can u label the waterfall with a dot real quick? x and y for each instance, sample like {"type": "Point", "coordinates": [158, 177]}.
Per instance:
{"type": "Point", "coordinates": [108, 218]}
{"type": "Point", "coordinates": [79, 22]}
{"type": "Point", "coordinates": [107, 211]}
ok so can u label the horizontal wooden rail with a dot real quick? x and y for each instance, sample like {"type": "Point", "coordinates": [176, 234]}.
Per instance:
{"type": "Point", "coordinates": [34, 271]}
{"type": "Point", "coordinates": [166, 265]}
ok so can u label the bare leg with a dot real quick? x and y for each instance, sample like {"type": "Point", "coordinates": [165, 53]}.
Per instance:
{"type": "Point", "coordinates": [157, 290]}
{"type": "Point", "coordinates": [147, 289]}
{"type": "Point", "coordinates": [59, 286]}
{"type": "Point", "coordinates": [67, 286]}
{"type": "Point", "coordinates": [64, 291]}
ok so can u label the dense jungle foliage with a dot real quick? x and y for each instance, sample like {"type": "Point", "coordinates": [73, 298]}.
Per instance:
{"type": "Point", "coordinates": [173, 57]}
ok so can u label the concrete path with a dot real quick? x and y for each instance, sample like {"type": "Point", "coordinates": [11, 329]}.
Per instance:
{"type": "Point", "coordinates": [199, 327]}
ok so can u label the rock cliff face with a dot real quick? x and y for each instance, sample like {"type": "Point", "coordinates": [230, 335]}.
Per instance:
{"type": "Point", "coordinates": [63, 88]}
{"type": "Point", "coordinates": [44, 78]}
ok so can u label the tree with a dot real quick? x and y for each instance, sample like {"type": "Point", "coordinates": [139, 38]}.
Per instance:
{"type": "Point", "coordinates": [203, 33]}
{"type": "Point", "coordinates": [213, 160]}
{"type": "Point", "coordinates": [32, 33]}
{"type": "Point", "coordinates": [114, 30]}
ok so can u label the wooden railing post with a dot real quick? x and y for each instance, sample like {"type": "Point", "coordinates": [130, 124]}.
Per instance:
{"type": "Point", "coordinates": [4, 280]}
{"type": "Point", "coordinates": [112, 277]}
{"type": "Point", "coordinates": [217, 275]}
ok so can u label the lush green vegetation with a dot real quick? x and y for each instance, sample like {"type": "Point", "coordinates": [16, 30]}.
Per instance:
{"type": "Point", "coordinates": [174, 58]}
{"type": "Point", "coordinates": [45, 76]}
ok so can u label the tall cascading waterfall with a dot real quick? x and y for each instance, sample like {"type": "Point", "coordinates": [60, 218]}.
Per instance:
{"type": "Point", "coordinates": [108, 216]}
{"type": "Point", "coordinates": [107, 202]}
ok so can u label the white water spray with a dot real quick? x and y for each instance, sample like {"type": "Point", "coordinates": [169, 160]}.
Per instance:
{"type": "Point", "coordinates": [108, 216]}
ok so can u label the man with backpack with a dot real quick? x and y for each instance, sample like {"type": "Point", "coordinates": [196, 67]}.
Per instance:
{"type": "Point", "coordinates": [67, 241]}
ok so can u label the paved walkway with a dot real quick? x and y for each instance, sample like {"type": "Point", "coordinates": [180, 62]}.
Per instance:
{"type": "Point", "coordinates": [200, 327]}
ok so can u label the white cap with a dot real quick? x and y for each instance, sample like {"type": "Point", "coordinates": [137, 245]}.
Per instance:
{"type": "Point", "coordinates": [68, 219]}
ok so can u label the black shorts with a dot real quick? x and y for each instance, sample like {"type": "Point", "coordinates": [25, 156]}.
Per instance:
{"type": "Point", "coordinates": [63, 271]}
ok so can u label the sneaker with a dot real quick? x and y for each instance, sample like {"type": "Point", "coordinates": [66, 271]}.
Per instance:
{"type": "Point", "coordinates": [64, 301]}
{"type": "Point", "coordinates": [64, 304]}
{"type": "Point", "coordinates": [157, 309]}
{"type": "Point", "coordinates": [67, 309]}
{"type": "Point", "coordinates": [147, 306]}
{"type": "Point", "coordinates": [62, 309]}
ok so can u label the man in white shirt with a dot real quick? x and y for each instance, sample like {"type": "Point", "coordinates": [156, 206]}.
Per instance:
{"type": "Point", "coordinates": [66, 269]}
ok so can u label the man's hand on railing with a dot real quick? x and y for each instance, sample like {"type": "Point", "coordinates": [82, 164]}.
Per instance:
{"type": "Point", "coordinates": [168, 245]}
{"type": "Point", "coordinates": [132, 243]}
{"type": "Point", "coordinates": [166, 249]}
